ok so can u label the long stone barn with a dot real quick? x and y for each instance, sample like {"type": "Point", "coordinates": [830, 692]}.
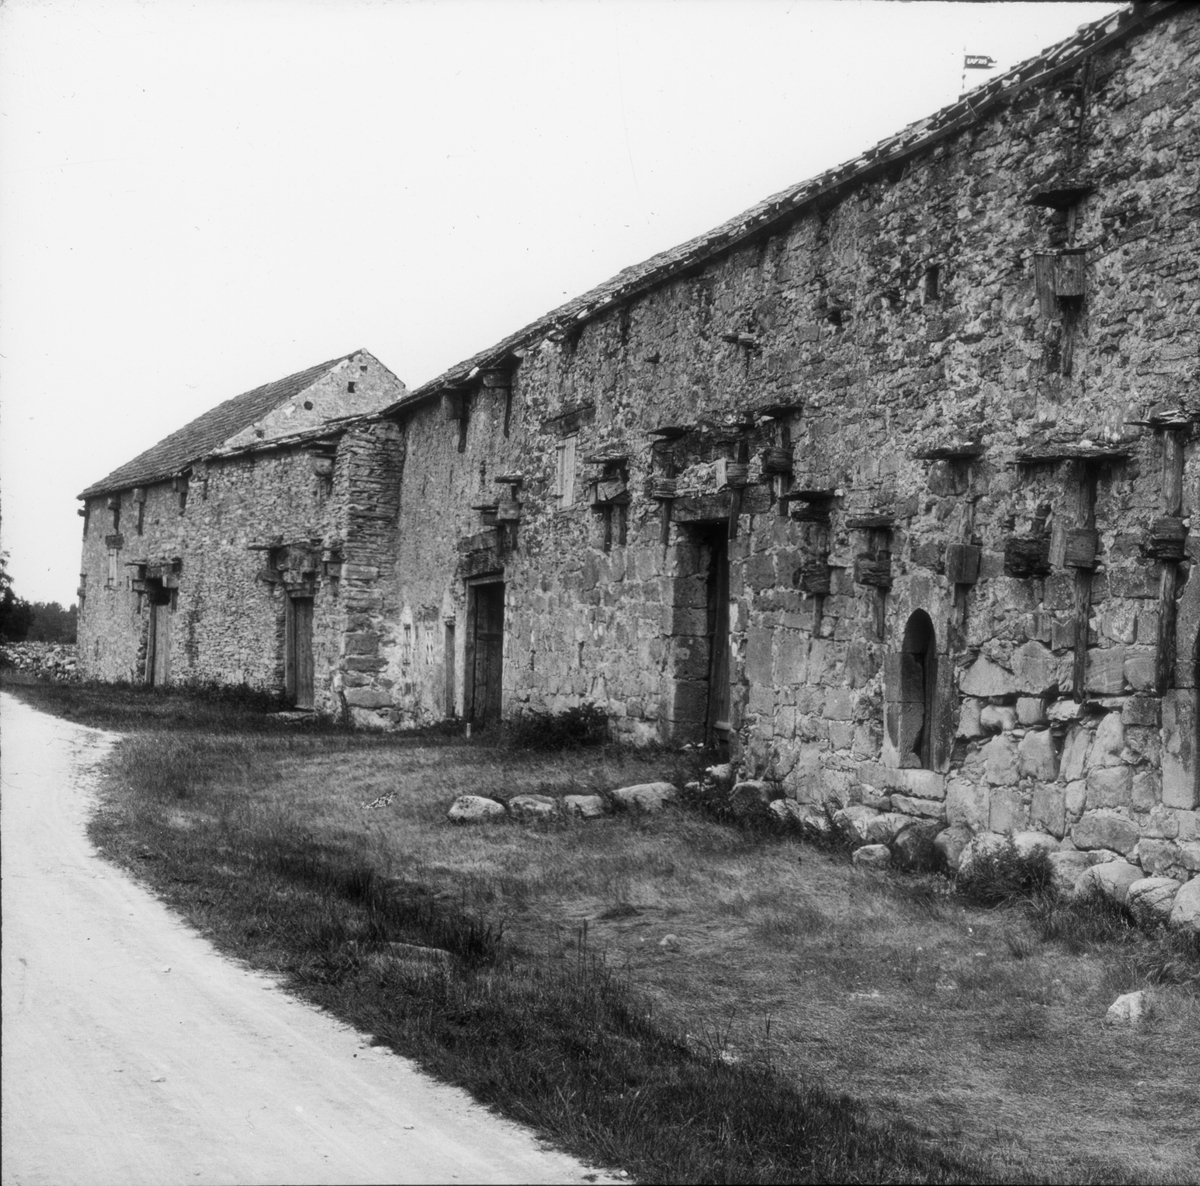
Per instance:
{"type": "Point", "coordinates": [885, 485]}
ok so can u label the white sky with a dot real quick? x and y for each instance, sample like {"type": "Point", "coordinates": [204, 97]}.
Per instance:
{"type": "Point", "coordinates": [201, 197]}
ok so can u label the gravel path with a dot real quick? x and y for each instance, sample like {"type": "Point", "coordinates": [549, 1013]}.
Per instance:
{"type": "Point", "coordinates": [134, 1053]}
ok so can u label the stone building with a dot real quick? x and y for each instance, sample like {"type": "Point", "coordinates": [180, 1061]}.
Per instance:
{"type": "Point", "coordinates": [229, 551]}
{"type": "Point", "coordinates": [885, 484]}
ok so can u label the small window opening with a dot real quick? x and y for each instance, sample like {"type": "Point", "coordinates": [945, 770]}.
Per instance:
{"type": "Point", "coordinates": [406, 655]}
{"type": "Point", "coordinates": [111, 580]}
{"type": "Point", "coordinates": [308, 405]}
{"type": "Point", "coordinates": [362, 366]}
{"type": "Point", "coordinates": [933, 282]}
{"type": "Point", "coordinates": [141, 508]}
{"type": "Point", "coordinates": [352, 386]}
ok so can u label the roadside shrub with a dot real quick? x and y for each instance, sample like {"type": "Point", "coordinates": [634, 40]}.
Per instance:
{"type": "Point", "coordinates": [583, 725]}
{"type": "Point", "coordinates": [999, 874]}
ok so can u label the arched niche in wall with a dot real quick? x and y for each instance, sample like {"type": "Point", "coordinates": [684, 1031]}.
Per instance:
{"type": "Point", "coordinates": [917, 694]}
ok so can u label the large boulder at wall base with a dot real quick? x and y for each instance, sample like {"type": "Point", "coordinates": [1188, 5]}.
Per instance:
{"type": "Point", "coordinates": [474, 809]}
{"type": "Point", "coordinates": [1150, 900]}
{"type": "Point", "coordinates": [853, 823]}
{"type": "Point", "coordinates": [1027, 843]}
{"type": "Point", "coordinates": [913, 847]}
{"type": "Point", "coordinates": [950, 843]}
{"type": "Point", "coordinates": [1111, 879]}
{"type": "Point", "coordinates": [1069, 866]}
{"type": "Point", "coordinates": [872, 856]}
{"type": "Point", "coordinates": [532, 806]}
{"type": "Point", "coordinates": [984, 845]}
{"type": "Point", "coordinates": [647, 797]}
{"type": "Point", "coordinates": [751, 797]}
{"type": "Point", "coordinates": [1185, 914]}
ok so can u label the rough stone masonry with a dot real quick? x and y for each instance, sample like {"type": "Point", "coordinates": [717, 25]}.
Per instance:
{"type": "Point", "coordinates": [885, 485]}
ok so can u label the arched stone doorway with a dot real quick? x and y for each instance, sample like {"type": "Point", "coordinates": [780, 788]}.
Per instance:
{"type": "Point", "coordinates": [918, 687]}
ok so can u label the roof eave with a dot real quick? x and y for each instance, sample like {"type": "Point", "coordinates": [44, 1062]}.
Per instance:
{"type": "Point", "coordinates": [968, 110]}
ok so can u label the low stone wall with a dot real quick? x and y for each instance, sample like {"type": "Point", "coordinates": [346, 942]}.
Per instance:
{"type": "Point", "coordinates": [54, 659]}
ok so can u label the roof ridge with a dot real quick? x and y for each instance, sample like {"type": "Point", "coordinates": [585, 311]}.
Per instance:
{"type": "Point", "coordinates": [202, 435]}
{"type": "Point", "coordinates": [665, 264]}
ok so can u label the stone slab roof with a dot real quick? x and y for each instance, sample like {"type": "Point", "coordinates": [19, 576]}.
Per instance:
{"type": "Point", "coordinates": [206, 434]}
{"type": "Point", "coordinates": [781, 207]}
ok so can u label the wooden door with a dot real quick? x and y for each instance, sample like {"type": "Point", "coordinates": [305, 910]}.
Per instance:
{"type": "Point", "coordinates": [298, 658]}
{"type": "Point", "coordinates": [488, 652]}
{"type": "Point", "coordinates": [158, 647]}
{"type": "Point", "coordinates": [718, 721]}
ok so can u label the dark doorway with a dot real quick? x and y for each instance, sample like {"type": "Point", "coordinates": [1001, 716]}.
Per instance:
{"type": "Point", "coordinates": [298, 651]}
{"type": "Point", "coordinates": [158, 642]}
{"type": "Point", "coordinates": [918, 681]}
{"type": "Point", "coordinates": [485, 660]}
{"type": "Point", "coordinates": [718, 723]}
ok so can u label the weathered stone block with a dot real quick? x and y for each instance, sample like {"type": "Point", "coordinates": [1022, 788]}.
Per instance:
{"type": "Point", "coordinates": [1035, 669]}
{"type": "Point", "coordinates": [1178, 757]}
{"type": "Point", "coordinates": [532, 806]}
{"type": "Point", "coordinates": [467, 809]}
{"type": "Point", "coordinates": [1104, 829]}
{"type": "Point", "coordinates": [367, 698]}
{"type": "Point", "coordinates": [364, 643]}
{"type": "Point", "coordinates": [1160, 858]}
{"type": "Point", "coordinates": [1108, 742]}
{"type": "Point", "coordinates": [1112, 879]}
{"type": "Point", "coordinates": [872, 856]}
{"type": "Point", "coordinates": [985, 678]}
{"type": "Point", "coordinates": [1185, 914]}
{"type": "Point", "coordinates": [758, 656]}
{"type": "Point", "coordinates": [966, 804]}
{"type": "Point", "coordinates": [1110, 786]}
{"type": "Point", "coordinates": [1031, 710]}
{"type": "Point", "coordinates": [969, 725]}
{"type": "Point", "coordinates": [1007, 811]}
{"type": "Point", "coordinates": [1139, 670]}
{"type": "Point", "coordinates": [1146, 790]}
{"type": "Point", "coordinates": [1142, 710]}
{"type": "Point", "coordinates": [1075, 799]}
{"type": "Point", "coordinates": [1000, 761]}
{"type": "Point", "coordinates": [1036, 756]}
{"type": "Point", "coordinates": [1075, 752]}
{"type": "Point", "coordinates": [1105, 671]}
{"type": "Point", "coordinates": [1064, 711]}
{"type": "Point", "coordinates": [927, 808]}
{"type": "Point", "coordinates": [998, 718]}
{"type": "Point", "coordinates": [1048, 808]}
{"type": "Point", "coordinates": [926, 784]}
{"type": "Point", "coordinates": [646, 797]}
{"type": "Point", "coordinates": [585, 806]}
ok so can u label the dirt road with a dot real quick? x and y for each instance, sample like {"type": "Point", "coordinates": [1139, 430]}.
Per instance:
{"type": "Point", "coordinates": [133, 1053]}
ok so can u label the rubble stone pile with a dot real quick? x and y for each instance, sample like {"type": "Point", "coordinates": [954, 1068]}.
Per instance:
{"type": "Point", "coordinates": [56, 660]}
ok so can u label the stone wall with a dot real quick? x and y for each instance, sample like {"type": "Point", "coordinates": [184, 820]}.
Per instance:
{"type": "Point", "coordinates": [229, 544]}
{"type": "Point", "coordinates": [925, 395]}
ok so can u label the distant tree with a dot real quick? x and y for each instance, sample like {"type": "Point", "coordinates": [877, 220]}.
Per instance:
{"type": "Point", "coordinates": [52, 623]}
{"type": "Point", "coordinates": [16, 614]}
